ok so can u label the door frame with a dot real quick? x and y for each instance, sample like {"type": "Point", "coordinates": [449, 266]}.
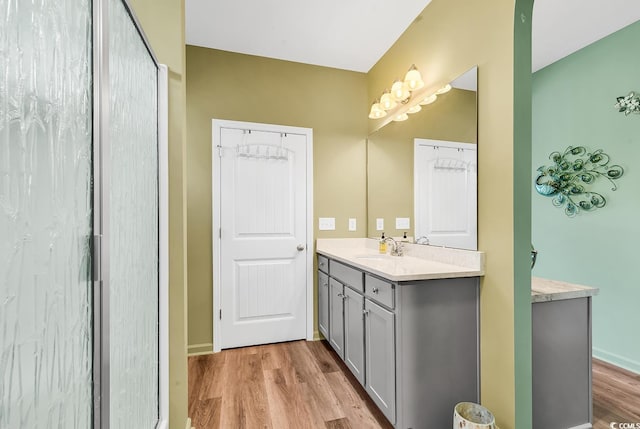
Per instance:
{"type": "Point", "coordinates": [216, 126]}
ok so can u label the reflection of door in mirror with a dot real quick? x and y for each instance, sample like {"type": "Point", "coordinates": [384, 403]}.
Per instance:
{"type": "Point", "coordinates": [445, 184]}
{"type": "Point", "coordinates": [390, 158]}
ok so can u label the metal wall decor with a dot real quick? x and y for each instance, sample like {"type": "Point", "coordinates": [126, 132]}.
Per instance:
{"type": "Point", "coordinates": [628, 104]}
{"type": "Point", "coordinates": [572, 171]}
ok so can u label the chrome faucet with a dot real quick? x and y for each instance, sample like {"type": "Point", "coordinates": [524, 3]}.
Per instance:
{"type": "Point", "coordinates": [397, 247]}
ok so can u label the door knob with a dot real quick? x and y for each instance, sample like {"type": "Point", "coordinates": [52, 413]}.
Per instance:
{"type": "Point", "coordinates": [300, 247]}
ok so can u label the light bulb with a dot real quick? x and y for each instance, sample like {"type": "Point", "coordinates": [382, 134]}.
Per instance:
{"type": "Point", "coordinates": [377, 111]}
{"type": "Point", "coordinates": [401, 117]}
{"type": "Point", "coordinates": [413, 78]}
{"type": "Point", "coordinates": [386, 101]}
{"type": "Point", "coordinates": [414, 109]}
{"type": "Point", "coordinates": [400, 91]}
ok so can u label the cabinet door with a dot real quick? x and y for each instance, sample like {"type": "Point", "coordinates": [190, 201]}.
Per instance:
{"type": "Point", "coordinates": [323, 304]}
{"type": "Point", "coordinates": [354, 333]}
{"type": "Point", "coordinates": [380, 362]}
{"type": "Point", "coordinates": [336, 316]}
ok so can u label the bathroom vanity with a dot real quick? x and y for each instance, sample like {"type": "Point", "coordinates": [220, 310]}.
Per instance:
{"type": "Point", "coordinates": [561, 348]}
{"type": "Point", "coordinates": [407, 327]}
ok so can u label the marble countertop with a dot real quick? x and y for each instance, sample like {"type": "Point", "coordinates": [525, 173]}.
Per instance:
{"type": "Point", "coordinates": [544, 290]}
{"type": "Point", "coordinates": [419, 262]}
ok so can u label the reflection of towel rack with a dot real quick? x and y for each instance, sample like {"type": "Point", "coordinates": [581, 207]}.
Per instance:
{"type": "Point", "coordinates": [450, 164]}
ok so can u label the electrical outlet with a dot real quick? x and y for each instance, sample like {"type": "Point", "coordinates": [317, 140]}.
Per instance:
{"type": "Point", "coordinates": [352, 224]}
{"type": "Point", "coordinates": [403, 223]}
{"type": "Point", "coordinates": [327, 223]}
{"type": "Point", "coordinates": [379, 224]}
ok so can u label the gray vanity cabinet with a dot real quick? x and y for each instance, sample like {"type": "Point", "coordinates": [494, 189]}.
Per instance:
{"type": "Point", "coordinates": [323, 304]}
{"type": "Point", "coordinates": [380, 358]}
{"type": "Point", "coordinates": [336, 316]}
{"type": "Point", "coordinates": [413, 344]}
{"type": "Point", "coordinates": [354, 333]}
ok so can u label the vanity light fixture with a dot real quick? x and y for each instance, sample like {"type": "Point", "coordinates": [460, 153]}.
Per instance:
{"type": "Point", "coordinates": [377, 111]}
{"type": "Point", "coordinates": [413, 78]}
{"type": "Point", "coordinates": [400, 91]}
{"type": "Point", "coordinates": [386, 101]}
{"type": "Point", "coordinates": [404, 96]}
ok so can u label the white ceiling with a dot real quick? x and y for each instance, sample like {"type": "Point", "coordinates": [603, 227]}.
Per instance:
{"type": "Point", "coordinates": [354, 34]}
{"type": "Point", "coordinates": [344, 34]}
{"type": "Point", "coordinates": [561, 27]}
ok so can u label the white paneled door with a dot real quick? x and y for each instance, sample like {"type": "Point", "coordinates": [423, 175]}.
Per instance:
{"type": "Point", "coordinates": [262, 235]}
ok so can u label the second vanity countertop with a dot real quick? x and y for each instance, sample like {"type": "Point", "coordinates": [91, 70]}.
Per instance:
{"type": "Point", "coordinates": [544, 290]}
{"type": "Point", "coordinates": [419, 262]}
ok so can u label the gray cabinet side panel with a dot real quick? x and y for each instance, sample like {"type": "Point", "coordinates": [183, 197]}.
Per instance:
{"type": "Point", "coordinates": [561, 364]}
{"type": "Point", "coordinates": [438, 361]}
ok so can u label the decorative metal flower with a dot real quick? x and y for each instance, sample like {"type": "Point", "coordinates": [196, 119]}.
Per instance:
{"type": "Point", "coordinates": [628, 104]}
{"type": "Point", "coordinates": [572, 170]}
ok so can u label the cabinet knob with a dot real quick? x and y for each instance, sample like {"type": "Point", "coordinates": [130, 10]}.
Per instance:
{"type": "Point", "coordinates": [325, 284]}
{"type": "Point", "coordinates": [340, 295]}
{"type": "Point", "coordinates": [374, 290]}
{"type": "Point", "coordinates": [301, 247]}
{"type": "Point", "coordinates": [365, 312]}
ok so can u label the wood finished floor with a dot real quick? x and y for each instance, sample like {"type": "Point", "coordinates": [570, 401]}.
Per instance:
{"type": "Point", "coordinates": [616, 395]}
{"type": "Point", "coordinates": [304, 384]}
{"type": "Point", "coordinates": [292, 385]}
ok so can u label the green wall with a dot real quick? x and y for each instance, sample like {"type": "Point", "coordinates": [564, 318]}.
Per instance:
{"type": "Point", "coordinates": [573, 103]}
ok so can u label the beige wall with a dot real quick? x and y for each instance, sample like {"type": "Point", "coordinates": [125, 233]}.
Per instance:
{"type": "Point", "coordinates": [232, 86]}
{"type": "Point", "coordinates": [163, 23]}
{"type": "Point", "coordinates": [390, 156]}
{"type": "Point", "coordinates": [446, 40]}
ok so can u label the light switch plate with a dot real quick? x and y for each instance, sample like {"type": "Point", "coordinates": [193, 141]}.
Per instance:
{"type": "Point", "coordinates": [403, 223]}
{"type": "Point", "coordinates": [379, 224]}
{"type": "Point", "coordinates": [352, 224]}
{"type": "Point", "coordinates": [327, 223]}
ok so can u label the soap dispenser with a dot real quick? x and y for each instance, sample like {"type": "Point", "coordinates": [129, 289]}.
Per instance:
{"type": "Point", "coordinates": [383, 244]}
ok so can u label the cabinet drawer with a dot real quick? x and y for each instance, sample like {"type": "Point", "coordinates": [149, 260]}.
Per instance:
{"type": "Point", "coordinates": [379, 291]}
{"type": "Point", "coordinates": [347, 275]}
{"type": "Point", "coordinates": [323, 264]}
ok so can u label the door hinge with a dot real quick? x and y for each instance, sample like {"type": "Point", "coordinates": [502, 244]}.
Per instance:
{"type": "Point", "coordinates": [219, 151]}
{"type": "Point", "coordinates": [220, 314]}
{"type": "Point", "coordinates": [220, 233]}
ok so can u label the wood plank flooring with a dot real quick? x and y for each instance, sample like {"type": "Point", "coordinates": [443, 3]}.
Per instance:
{"type": "Point", "coordinates": [616, 395]}
{"type": "Point", "coordinates": [304, 384]}
{"type": "Point", "coordinates": [298, 384]}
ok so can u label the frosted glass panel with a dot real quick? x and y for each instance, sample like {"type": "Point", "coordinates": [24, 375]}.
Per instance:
{"type": "Point", "coordinates": [45, 214]}
{"type": "Point", "coordinates": [133, 217]}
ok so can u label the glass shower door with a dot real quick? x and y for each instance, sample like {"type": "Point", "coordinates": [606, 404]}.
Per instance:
{"type": "Point", "coordinates": [133, 225]}
{"type": "Point", "coordinates": [45, 214]}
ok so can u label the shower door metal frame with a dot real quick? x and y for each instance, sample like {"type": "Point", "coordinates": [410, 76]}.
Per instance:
{"type": "Point", "coordinates": [101, 227]}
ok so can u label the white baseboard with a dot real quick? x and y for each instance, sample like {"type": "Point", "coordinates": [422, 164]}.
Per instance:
{"type": "Point", "coordinates": [584, 426]}
{"type": "Point", "coordinates": [617, 360]}
{"type": "Point", "coordinates": [199, 349]}
{"type": "Point", "coordinates": [188, 425]}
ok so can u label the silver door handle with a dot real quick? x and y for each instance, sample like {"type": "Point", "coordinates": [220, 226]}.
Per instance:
{"type": "Point", "coordinates": [301, 247]}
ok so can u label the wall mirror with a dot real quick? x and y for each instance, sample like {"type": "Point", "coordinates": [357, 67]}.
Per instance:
{"type": "Point", "coordinates": [439, 182]}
